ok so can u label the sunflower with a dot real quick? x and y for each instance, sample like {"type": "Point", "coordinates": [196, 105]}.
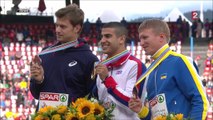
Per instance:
{"type": "Point", "coordinates": [78, 101]}
{"type": "Point", "coordinates": [90, 117]}
{"type": "Point", "coordinates": [179, 116]}
{"type": "Point", "coordinates": [71, 116]}
{"type": "Point", "coordinates": [40, 117]}
{"type": "Point", "coordinates": [99, 110]}
{"type": "Point", "coordinates": [56, 117]}
{"type": "Point", "coordinates": [61, 109]}
{"type": "Point", "coordinates": [160, 118]}
{"type": "Point", "coordinates": [85, 108]}
{"type": "Point", "coordinates": [45, 109]}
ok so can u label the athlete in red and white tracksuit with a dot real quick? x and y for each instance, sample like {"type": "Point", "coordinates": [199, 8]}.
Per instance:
{"type": "Point", "coordinates": [118, 86]}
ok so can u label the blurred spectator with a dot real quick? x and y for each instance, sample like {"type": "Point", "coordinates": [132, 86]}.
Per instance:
{"type": "Point", "coordinates": [124, 22]}
{"type": "Point", "coordinates": [6, 40]}
{"type": "Point", "coordinates": [2, 28]}
{"type": "Point", "coordinates": [25, 31]}
{"type": "Point", "coordinates": [199, 28]}
{"type": "Point", "coordinates": [94, 39]}
{"type": "Point", "coordinates": [87, 39]}
{"type": "Point", "coordinates": [87, 27]}
{"type": "Point", "coordinates": [1, 49]}
{"type": "Point", "coordinates": [173, 39]}
{"type": "Point", "coordinates": [179, 23]}
{"type": "Point", "coordinates": [193, 28]}
{"type": "Point", "coordinates": [179, 20]}
{"type": "Point", "coordinates": [131, 40]}
{"type": "Point", "coordinates": [2, 99]}
{"type": "Point", "coordinates": [28, 40]}
{"type": "Point", "coordinates": [207, 26]}
{"type": "Point", "coordinates": [34, 40]}
{"type": "Point", "coordinates": [211, 28]}
{"type": "Point", "coordinates": [185, 30]}
{"type": "Point", "coordinates": [98, 24]}
{"type": "Point", "coordinates": [12, 34]}
{"type": "Point", "coordinates": [42, 42]}
{"type": "Point", "coordinates": [12, 55]}
{"type": "Point", "coordinates": [19, 35]}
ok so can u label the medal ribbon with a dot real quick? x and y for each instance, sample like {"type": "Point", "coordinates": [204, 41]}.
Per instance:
{"type": "Point", "coordinates": [163, 56]}
{"type": "Point", "coordinates": [115, 57]}
{"type": "Point", "coordinates": [110, 60]}
{"type": "Point", "coordinates": [59, 47]}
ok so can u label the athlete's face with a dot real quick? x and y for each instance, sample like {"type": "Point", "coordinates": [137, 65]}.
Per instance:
{"type": "Point", "coordinates": [65, 31]}
{"type": "Point", "coordinates": [150, 41]}
{"type": "Point", "coordinates": [110, 42]}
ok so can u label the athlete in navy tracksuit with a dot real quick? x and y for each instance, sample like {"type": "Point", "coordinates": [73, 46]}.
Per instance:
{"type": "Point", "coordinates": [67, 66]}
{"type": "Point", "coordinates": [67, 71]}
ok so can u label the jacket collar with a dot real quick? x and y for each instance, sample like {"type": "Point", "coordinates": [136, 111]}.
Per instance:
{"type": "Point", "coordinates": [120, 61]}
{"type": "Point", "coordinates": [160, 51]}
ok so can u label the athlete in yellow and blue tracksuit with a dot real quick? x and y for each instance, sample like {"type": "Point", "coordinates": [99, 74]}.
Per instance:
{"type": "Point", "coordinates": [176, 77]}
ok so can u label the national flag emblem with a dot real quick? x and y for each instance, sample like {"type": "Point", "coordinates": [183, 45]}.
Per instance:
{"type": "Point", "coordinates": [118, 72]}
{"type": "Point", "coordinates": [163, 76]}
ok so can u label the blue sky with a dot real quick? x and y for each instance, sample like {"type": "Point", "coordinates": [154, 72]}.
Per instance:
{"type": "Point", "coordinates": [116, 9]}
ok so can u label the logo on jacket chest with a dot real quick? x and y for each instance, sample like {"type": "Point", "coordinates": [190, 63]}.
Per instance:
{"type": "Point", "coordinates": [72, 63]}
{"type": "Point", "coordinates": [118, 72]}
{"type": "Point", "coordinates": [163, 76]}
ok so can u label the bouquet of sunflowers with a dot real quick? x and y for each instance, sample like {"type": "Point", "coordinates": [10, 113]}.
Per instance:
{"type": "Point", "coordinates": [81, 109]}
{"type": "Point", "coordinates": [171, 117]}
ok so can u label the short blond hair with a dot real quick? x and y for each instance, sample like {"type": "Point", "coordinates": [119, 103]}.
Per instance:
{"type": "Point", "coordinates": [158, 27]}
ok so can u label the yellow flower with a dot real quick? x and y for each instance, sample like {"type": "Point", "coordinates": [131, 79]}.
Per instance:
{"type": "Point", "coordinates": [160, 118]}
{"type": "Point", "coordinates": [61, 109]}
{"type": "Point", "coordinates": [40, 117]}
{"type": "Point", "coordinates": [170, 117]}
{"type": "Point", "coordinates": [90, 117]}
{"type": "Point", "coordinates": [81, 109]}
{"type": "Point", "coordinates": [179, 116]}
{"type": "Point", "coordinates": [85, 108]}
{"type": "Point", "coordinates": [56, 117]}
{"type": "Point", "coordinates": [78, 101]}
{"type": "Point", "coordinates": [71, 116]}
{"type": "Point", "coordinates": [99, 110]}
{"type": "Point", "coordinates": [45, 109]}
{"type": "Point", "coordinates": [163, 118]}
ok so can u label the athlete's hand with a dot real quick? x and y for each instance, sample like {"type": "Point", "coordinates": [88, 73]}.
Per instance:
{"type": "Point", "coordinates": [135, 104]}
{"type": "Point", "coordinates": [102, 71]}
{"type": "Point", "coordinates": [37, 71]}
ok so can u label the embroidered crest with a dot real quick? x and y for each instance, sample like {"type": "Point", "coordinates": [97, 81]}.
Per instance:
{"type": "Point", "coordinates": [163, 76]}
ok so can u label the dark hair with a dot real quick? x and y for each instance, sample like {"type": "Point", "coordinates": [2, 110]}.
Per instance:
{"type": "Point", "coordinates": [120, 29]}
